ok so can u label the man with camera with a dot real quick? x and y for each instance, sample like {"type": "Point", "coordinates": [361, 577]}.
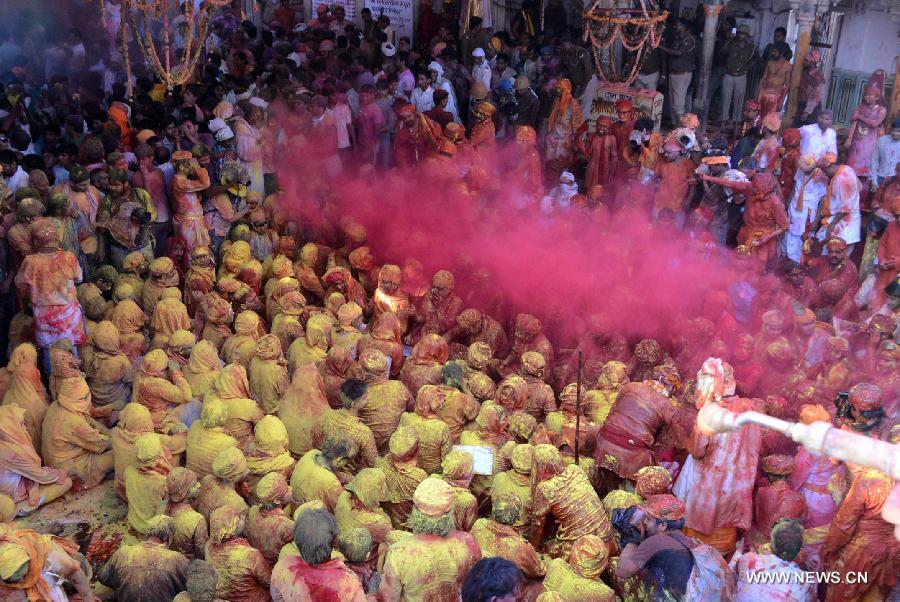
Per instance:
{"type": "Point", "coordinates": [652, 542]}
{"type": "Point", "coordinates": [123, 220]}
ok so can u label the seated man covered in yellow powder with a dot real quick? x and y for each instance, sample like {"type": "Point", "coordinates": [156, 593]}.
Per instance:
{"type": "Point", "coordinates": [432, 563]}
{"type": "Point", "coordinates": [72, 440]}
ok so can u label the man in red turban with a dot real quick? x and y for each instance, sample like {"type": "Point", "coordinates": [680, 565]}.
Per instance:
{"type": "Point", "coordinates": [417, 137]}
{"type": "Point", "coordinates": [623, 126]}
{"type": "Point", "coordinates": [790, 154]}
{"type": "Point", "coordinates": [601, 152]}
{"type": "Point", "coordinates": [776, 500]}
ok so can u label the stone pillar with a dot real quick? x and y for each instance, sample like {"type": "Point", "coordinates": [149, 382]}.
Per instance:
{"type": "Point", "coordinates": [895, 95]}
{"type": "Point", "coordinates": [711, 9]}
{"type": "Point", "coordinates": [807, 10]}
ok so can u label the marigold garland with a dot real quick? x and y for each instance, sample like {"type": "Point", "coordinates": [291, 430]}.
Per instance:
{"type": "Point", "coordinates": [603, 26]}
{"type": "Point", "coordinates": [198, 26]}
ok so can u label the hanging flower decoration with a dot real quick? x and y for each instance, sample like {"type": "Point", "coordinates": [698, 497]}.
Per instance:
{"type": "Point", "coordinates": [171, 70]}
{"type": "Point", "coordinates": [638, 29]}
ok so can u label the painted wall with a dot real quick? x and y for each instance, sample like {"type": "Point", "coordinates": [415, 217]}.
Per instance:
{"type": "Point", "coordinates": [869, 41]}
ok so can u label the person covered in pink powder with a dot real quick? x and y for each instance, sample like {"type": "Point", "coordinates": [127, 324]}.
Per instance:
{"type": "Point", "coordinates": [371, 123]}
{"type": "Point", "coordinates": [314, 574]}
{"type": "Point", "coordinates": [821, 481]}
{"type": "Point", "coordinates": [865, 124]}
{"type": "Point", "coordinates": [725, 463]}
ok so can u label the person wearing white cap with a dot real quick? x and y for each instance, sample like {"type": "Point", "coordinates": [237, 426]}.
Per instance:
{"type": "Point", "coordinates": [224, 135]}
{"type": "Point", "coordinates": [438, 81]}
{"type": "Point", "coordinates": [223, 148]}
{"type": "Point", "coordinates": [481, 69]}
{"type": "Point", "coordinates": [256, 101]}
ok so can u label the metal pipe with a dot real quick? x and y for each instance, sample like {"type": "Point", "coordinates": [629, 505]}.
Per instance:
{"type": "Point", "coordinates": [819, 437]}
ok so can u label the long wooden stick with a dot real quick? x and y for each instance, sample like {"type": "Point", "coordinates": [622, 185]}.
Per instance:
{"type": "Point", "coordinates": [578, 411]}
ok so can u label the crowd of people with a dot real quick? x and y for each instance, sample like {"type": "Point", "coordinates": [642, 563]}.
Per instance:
{"type": "Point", "coordinates": [209, 307]}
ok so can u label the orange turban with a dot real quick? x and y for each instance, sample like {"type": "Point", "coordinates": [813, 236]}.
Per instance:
{"type": "Point", "coordinates": [810, 413]}
{"type": "Point", "coordinates": [772, 122]}
{"type": "Point", "coordinates": [664, 506]}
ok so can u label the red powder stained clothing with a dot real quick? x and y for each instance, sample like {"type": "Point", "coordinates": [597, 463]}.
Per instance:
{"type": "Point", "coordinates": [491, 333]}
{"type": "Point", "coordinates": [49, 279]}
{"type": "Point", "coordinates": [412, 145]}
{"type": "Point", "coordinates": [370, 120]}
{"type": "Point", "coordinates": [596, 351]}
{"type": "Point", "coordinates": [788, 172]}
{"type": "Point", "coordinates": [859, 539]}
{"type": "Point", "coordinates": [832, 378]}
{"type": "Point", "coordinates": [541, 344]}
{"type": "Point", "coordinates": [243, 572]}
{"type": "Point", "coordinates": [440, 316]}
{"type": "Point", "coordinates": [888, 253]}
{"type": "Point", "coordinates": [269, 530]}
{"type": "Point", "coordinates": [811, 478]}
{"type": "Point", "coordinates": [763, 214]}
{"type": "Point", "coordinates": [802, 292]}
{"type": "Point", "coordinates": [775, 502]}
{"type": "Point", "coordinates": [484, 139]}
{"type": "Point", "coordinates": [294, 580]}
{"type": "Point", "coordinates": [725, 464]}
{"type": "Point", "coordinates": [385, 336]}
{"type": "Point", "coordinates": [674, 182]}
{"type": "Point", "coordinates": [540, 400]}
{"type": "Point", "coordinates": [621, 130]}
{"type": "Point", "coordinates": [889, 189]}
{"type": "Point", "coordinates": [835, 287]}
{"type": "Point", "coordinates": [425, 364]}
{"type": "Point", "coordinates": [190, 224]}
{"type": "Point", "coordinates": [624, 443]}
{"type": "Point", "coordinates": [529, 171]}
{"type": "Point", "coordinates": [602, 156]}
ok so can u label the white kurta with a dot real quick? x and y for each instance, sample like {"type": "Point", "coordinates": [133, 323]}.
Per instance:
{"type": "Point", "coordinates": [845, 199]}
{"type": "Point", "coordinates": [813, 188]}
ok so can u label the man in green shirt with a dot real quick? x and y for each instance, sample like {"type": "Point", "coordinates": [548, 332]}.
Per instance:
{"type": "Point", "coordinates": [740, 54]}
{"type": "Point", "coordinates": [682, 58]}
